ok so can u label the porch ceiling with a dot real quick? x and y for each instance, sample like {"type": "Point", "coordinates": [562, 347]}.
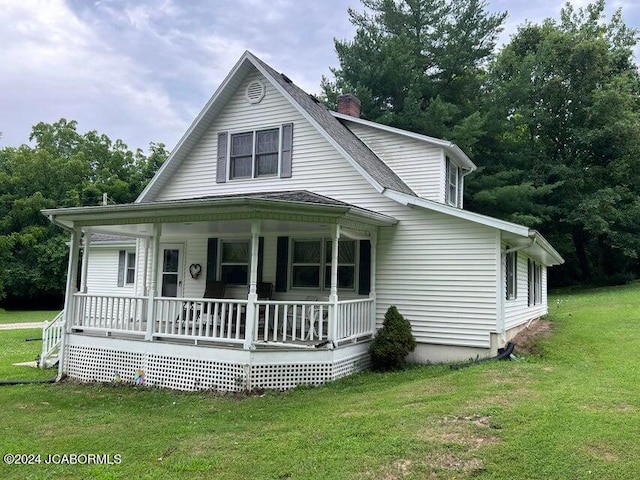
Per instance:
{"type": "Point", "coordinates": [282, 211]}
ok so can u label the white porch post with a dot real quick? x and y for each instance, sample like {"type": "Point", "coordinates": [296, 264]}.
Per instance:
{"type": "Point", "coordinates": [333, 296]}
{"type": "Point", "coordinates": [157, 231]}
{"type": "Point", "coordinates": [69, 300]}
{"type": "Point", "coordinates": [145, 270]}
{"type": "Point", "coordinates": [253, 283]}
{"type": "Point", "coordinates": [85, 260]}
{"type": "Point", "coordinates": [372, 282]}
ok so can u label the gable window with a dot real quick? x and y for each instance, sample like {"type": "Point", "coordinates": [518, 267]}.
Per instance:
{"type": "Point", "coordinates": [453, 187]}
{"type": "Point", "coordinates": [346, 264]}
{"type": "Point", "coordinates": [126, 268]}
{"type": "Point", "coordinates": [534, 283]}
{"type": "Point", "coordinates": [254, 154]}
{"type": "Point", "coordinates": [511, 275]}
{"type": "Point", "coordinates": [234, 262]}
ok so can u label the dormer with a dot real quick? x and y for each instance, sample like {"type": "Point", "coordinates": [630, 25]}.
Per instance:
{"type": "Point", "coordinates": [433, 168]}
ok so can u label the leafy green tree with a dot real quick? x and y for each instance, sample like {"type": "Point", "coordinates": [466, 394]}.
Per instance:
{"type": "Point", "coordinates": [562, 150]}
{"type": "Point", "coordinates": [418, 65]}
{"type": "Point", "coordinates": [63, 169]}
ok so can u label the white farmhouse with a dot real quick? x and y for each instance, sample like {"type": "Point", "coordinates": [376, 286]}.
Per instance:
{"type": "Point", "coordinates": [267, 249]}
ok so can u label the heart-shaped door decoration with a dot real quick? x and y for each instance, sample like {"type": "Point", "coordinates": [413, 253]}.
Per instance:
{"type": "Point", "coordinates": [195, 269]}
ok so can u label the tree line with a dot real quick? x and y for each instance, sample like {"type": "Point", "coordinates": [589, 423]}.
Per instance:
{"type": "Point", "coordinates": [551, 119]}
{"type": "Point", "coordinates": [63, 169]}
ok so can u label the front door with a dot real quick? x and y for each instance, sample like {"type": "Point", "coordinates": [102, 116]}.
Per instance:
{"type": "Point", "coordinates": [171, 271]}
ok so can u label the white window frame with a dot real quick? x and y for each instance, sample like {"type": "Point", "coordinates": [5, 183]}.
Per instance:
{"type": "Point", "coordinates": [222, 263]}
{"type": "Point", "coordinates": [322, 276]}
{"type": "Point", "coordinates": [292, 264]}
{"type": "Point", "coordinates": [535, 283]}
{"type": "Point", "coordinates": [452, 172]}
{"type": "Point", "coordinates": [254, 156]}
{"type": "Point", "coordinates": [129, 267]}
{"type": "Point", "coordinates": [511, 275]}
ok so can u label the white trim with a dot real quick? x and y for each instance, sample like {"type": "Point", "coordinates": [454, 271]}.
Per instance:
{"type": "Point", "coordinates": [513, 228]}
{"type": "Point", "coordinates": [409, 200]}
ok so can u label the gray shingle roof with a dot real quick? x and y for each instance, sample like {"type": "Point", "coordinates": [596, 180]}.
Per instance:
{"type": "Point", "coordinates": [351, 144]}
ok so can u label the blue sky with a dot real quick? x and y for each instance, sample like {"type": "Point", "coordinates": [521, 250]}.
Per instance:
{"type": "Point", "coordinates": [141, 70]}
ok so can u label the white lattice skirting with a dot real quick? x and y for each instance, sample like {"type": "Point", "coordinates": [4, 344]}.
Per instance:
{"type": "Point", "coordinates": [98, 364]}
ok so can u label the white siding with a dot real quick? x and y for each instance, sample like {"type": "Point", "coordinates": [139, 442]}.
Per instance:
{"type": "Point", "coordinates": [102, 272]}
{"type": "Point", "coordinates": [312, 153]}
{"type": "Point", "coordinates": [440, 273]}
{"type": "Point", "coordinates": [419, 165]}
{"type": "Point", "coordinates": [517, 311]}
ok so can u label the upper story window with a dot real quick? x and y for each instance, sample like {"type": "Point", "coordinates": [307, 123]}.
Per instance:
{"type": "Point", "coordinates": [511, 275]}
{"type": "Point", "coordinates": [453, 184]}
{"type": "Point", "coordinates": [254, 154]}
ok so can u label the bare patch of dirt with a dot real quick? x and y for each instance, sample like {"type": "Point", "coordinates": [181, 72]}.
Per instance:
{"type": "Point", "coordinates": [525, 341]}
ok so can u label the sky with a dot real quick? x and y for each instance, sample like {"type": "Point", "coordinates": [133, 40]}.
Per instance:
{"type": "Point", "coordinates": [141, 71]}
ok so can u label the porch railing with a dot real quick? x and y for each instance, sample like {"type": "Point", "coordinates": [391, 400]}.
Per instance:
{"type": "Point", "coordinates": [290, 321]}
{"type": "Point", "coordinates": [275, 321]}
{"type": "Point", "coordinates": [51, 338]}
{"type": "Point", "coordinates": [215, 319]}
{"type": "Point", "coordinates": [355, 318]}
{"type": "Point", "coordinates": [109, 313]}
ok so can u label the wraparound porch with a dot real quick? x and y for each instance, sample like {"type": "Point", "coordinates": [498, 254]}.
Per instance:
{"type": "Point", "coordinates": [325, 296]}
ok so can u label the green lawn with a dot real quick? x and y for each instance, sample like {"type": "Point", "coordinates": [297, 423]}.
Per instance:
{"type": "Point", "coordinates": [570, 412]}
{"type": "Point", "coordinates": [21, 316]}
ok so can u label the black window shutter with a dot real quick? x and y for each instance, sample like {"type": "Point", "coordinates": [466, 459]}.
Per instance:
{"type": "Point", "coordinates": [364, 272]}
{"type": "Point", "coordinates": [282, 264]}
{"type": "Point", "coordinates": [260, 258]}
{"type": "Point", "coordinates": [212, 259]}
{"type": "Point", "coordinates": [121, 259]}
{"type": "Point", "coordinates": [287, 146]}
{"type": "Point", "coordinates": [221, 169]}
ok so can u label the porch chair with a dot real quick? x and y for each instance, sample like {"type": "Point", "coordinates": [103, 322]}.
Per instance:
{"type": "Point", "coordinates": [213, 289]}
{"type": "Point", "coordinates": [311, 318]}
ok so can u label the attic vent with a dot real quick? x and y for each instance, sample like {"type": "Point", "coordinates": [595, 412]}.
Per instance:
{"type": "Point", "coordinates": [255, 91]}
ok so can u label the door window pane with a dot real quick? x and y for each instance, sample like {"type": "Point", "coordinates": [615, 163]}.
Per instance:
{"type": "Point", "coordinates": [169, 285]}
{"type": "Point", "coordinates": [170, 263]}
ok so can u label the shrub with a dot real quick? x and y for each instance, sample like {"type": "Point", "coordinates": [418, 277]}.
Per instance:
{"type": "Point", "coordinates": [392, 343]}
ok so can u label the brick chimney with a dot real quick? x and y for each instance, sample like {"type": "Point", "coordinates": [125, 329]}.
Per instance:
{"type": "Point", "coordinates": [348, 104]}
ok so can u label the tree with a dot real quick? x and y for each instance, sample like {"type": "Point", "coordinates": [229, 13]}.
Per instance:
{"type": "Point", "coordinates": [418, 65]}
{"type": "Point", "coordinates": [393, 342]}
{"type": "Point", "coordinates": [63, 169]}
{"type": "Point", "coordinates": [563, 143]}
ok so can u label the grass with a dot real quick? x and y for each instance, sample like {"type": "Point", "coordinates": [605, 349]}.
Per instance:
{"type": "Point", "coordinates": [570, 411]}
{"type": "Point", "coordinates": [22, 316]}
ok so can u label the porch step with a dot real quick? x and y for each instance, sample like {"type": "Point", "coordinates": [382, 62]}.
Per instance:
{"type": "Point", "coordinates": [51, 342]}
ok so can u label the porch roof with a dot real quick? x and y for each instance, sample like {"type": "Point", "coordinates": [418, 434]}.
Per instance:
{"type": "Point", "coordinates": [296, 205]}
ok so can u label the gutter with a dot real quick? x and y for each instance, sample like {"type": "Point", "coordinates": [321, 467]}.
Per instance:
{"type": "Point", "coordinates": [521, 247]}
